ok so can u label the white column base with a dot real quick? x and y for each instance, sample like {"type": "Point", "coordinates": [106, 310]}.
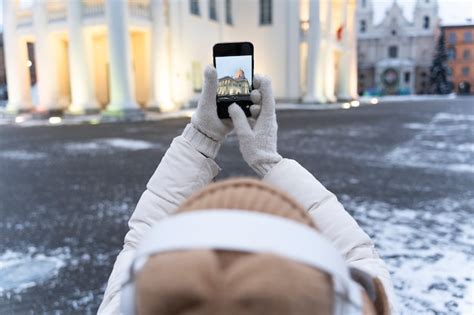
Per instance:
{"type": "Point", "coordinates": [16, 107]}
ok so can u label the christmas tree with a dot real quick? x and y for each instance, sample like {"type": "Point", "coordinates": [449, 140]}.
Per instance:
{"type": "Point", "coordinates": [439, 69]}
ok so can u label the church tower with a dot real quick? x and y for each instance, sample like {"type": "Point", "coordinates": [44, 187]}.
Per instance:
{"type": "Point", "coordinates": [425, 17]}
{"type": "Point", "coordinates": [365, 17]}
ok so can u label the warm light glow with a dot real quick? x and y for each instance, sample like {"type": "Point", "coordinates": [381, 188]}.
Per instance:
{"type": "Point", "coordinates": [55, 120]}
{"type": "Point", "coordinates": [29, 63]}
{"type": "Point", "coordinates": [374, 101]}
{"type": "Point", "coordinates": [167, 106]}
{"type": "Point", "coordinates": [355, 103]}
{"type": "Point", "coordinates": [75, 109]}
{"type": "Point", "coordinates": [94, 121]}
{"type": "Point", "coordinates": [346, 105]}
{"type": "Point", "coordinates": [305, 26]}
{"type": "Point", "coordinates": [19, 119]}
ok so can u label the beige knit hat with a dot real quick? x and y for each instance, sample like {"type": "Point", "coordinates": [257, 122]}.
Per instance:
{"type": "Point", "coordinates": [211, 282]}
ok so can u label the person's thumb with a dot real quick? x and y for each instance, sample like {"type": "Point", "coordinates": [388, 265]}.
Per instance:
{"type": "Point", "coordinates": [209, 89]}
{"type": "Point", "coordinates": [241, 125]}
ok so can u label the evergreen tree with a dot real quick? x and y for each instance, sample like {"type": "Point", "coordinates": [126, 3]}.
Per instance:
{"type": "Point", "coordinates": [439, 69]}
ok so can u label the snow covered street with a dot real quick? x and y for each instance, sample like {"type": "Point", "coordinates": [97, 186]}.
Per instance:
{"type": "Point", "coordinates": [404, 170]}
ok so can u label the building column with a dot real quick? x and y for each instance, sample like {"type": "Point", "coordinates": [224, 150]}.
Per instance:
{"type": "Point", "coordinates": [352, 30]}
{"type": "Point", "coordinates": [82, 84]}
{"type": "Point", "coordinates": [293, 33]}
{"type": "Point", "coordinates": [342, 89]}
{"type": "Point", "coordinates": [160, 61]}
{"type": "Point", "coordinates": [313, 64]}
{"type": "Point", "coordinates": [16, 58]}
{"type": "Point", "coordinates": [329, 78]}
{"type": "Point", "coordinates": [121, 88]}
{"type": "Point", "coordinates": [347, 72]}
{"type": "Point", "coordinates": [45, 58]}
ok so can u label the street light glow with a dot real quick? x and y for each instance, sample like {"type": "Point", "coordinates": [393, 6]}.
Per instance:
{"type": "Point", "coordinates": [19, 119]}
{"type": "Point", "coordinates": [355, 103]}
{"type": "Point", "coordinates": [374, 101]}
{"type": "Point", "coordinates": [346, 105]}
{"type": "Point", "coordinates": [55, 120]}
{"type": "Point", "coordinates": [29, 63]}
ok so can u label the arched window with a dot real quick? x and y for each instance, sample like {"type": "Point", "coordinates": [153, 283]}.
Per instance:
{"type": "Point", "coordinates": [213, 10]}
{"type": "Point", "coordinates": [451, 53]}
{"type": "Point", "coordinates": [265, 12]}
{"type": "Point", "coordinates": [363, 26]}
{"type": "Point", "coordinates": [228, 12]}
{"type": "Point", "coordinates": [452, 38]}
{"type": "Point", "coordinates": [194, 7]}
{"type": "Point", "coordinates": [426, 22]}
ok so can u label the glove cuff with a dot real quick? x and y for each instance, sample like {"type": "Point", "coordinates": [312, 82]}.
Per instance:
{"type": "Point", "coordinates": [263, 168]}
{"type": "Point", "coordinates": [201, 142]}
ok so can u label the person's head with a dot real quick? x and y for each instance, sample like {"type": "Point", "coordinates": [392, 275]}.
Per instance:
{"type": "Point", "coordinates": [222, 281]}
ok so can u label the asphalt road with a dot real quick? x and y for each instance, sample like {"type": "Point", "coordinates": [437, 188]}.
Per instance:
{"type": "Point", "coordinates": [404, 170]}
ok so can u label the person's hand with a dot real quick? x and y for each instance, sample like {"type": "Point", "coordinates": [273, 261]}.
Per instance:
{"type": "Point", "coordinates": [205, 118]}
{"type": "Point", "coordinates": [258, 143]}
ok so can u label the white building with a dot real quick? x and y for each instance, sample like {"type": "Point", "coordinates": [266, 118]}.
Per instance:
{"type": "Point", "coordinates": [395, 55]}
{"type": "Point", "coordinates": [119, 55]}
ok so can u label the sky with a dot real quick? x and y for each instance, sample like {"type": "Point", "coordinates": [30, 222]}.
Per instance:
{"type": "Point", "coordinates": [450, 11]}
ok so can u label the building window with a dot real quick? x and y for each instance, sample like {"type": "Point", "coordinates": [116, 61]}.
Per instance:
{"type": "Point", "coordinates": [212, 10]}
{"type": "Point", "coordinates": [467, 37]}
{"type": "Point", "coordinates": [394, 32]}
{"type": "Point", "coordinates": [452, 38]}
{"type": "Point", "coordinates": [407, 77]}
{"type": "Point", "coordinates": [265, 12]}
{"type": "Point", "coordinates": [393, 52]}
{"type": "Point", "coordinates": [363, 26]}
{"type": "Point", "coordinates": [451, 53]}
{"type": "Point", "coordinates": [465, 71]}
{"type": "Point", "coordinates": [194, 7]}
{"type": "Point", "coordinates": [426, 22]}
{"type": "Point", "coordinates": [450, 71]}
{"type": "Point", "coordinates": [466, 54]}
{"type": "Point", "coordinates": [228, 12]}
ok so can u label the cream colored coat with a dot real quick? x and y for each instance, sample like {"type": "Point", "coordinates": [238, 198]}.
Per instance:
{"type": "Point", "coordinates": [183, 170]}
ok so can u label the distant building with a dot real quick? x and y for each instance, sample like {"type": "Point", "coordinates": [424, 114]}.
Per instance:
{"type": "Point", "coordinates": [460, 47]}
{"type": "Point", "coordinates": [236, 85]}
{"type": "Point", "coordinates": [126, 55]}
{"type": "Point", "coordinates": [394, 56]}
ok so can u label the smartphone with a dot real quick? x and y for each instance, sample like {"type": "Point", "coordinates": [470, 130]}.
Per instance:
{"type": "Point", "coordinates": [234, 65]}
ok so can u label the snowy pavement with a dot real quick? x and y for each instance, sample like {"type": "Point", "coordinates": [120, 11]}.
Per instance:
{"type": "Point", "coordinates": [404, 170]}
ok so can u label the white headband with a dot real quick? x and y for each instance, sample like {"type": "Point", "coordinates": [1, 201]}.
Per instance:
{"type": "Point", "coordinates": [254, 232]}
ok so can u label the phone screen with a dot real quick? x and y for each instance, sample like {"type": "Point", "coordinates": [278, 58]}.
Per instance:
{"type": "Point", "coordinates": [234, 74]}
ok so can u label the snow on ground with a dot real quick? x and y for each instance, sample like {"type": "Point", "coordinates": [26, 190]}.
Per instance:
{"type": "Point", "coordinates": [437, 145]}
{"type": "Point", "coordinates": [110, 143]}
{"type": "Point", "coordinates": [431, 266]}
{"type": "Point", "coordinates": [22, 155]}
{"type": "Point", "coordinates": [19, 271]}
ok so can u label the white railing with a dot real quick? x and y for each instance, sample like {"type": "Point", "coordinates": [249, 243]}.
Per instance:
{"type": "Point", "coordinates": [24, 18]}
{"type": "Point", "coordinates": [57, 15]}
{"type": "Point", "coordinates": [139, 9]}
{"type": "Point", "coordinates": [92, 9]}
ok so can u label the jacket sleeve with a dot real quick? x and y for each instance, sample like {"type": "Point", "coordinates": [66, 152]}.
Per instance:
{"type": "Point", "coordinates": [333, 221]}
{"type": "Point", "coordinates": [182, 171]}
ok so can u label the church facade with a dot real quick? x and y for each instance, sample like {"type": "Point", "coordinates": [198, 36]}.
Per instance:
{"type": "Point", "coordinates": [395, 55]}
{"type": "Point", "coordinates": [106, 55]}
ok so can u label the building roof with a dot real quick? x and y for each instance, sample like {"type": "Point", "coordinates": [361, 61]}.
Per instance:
{"type": "Point", "coordinates": [467, 23]}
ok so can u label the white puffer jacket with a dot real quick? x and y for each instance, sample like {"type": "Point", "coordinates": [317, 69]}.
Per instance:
{"type": "Point", "coordinates": [183, 170]}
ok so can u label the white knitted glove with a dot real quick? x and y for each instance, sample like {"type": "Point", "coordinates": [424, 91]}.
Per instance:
{"type": "Point", "coordinates": [258, 144]}
{"type": "Point", "coordinates": [206, 131]}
